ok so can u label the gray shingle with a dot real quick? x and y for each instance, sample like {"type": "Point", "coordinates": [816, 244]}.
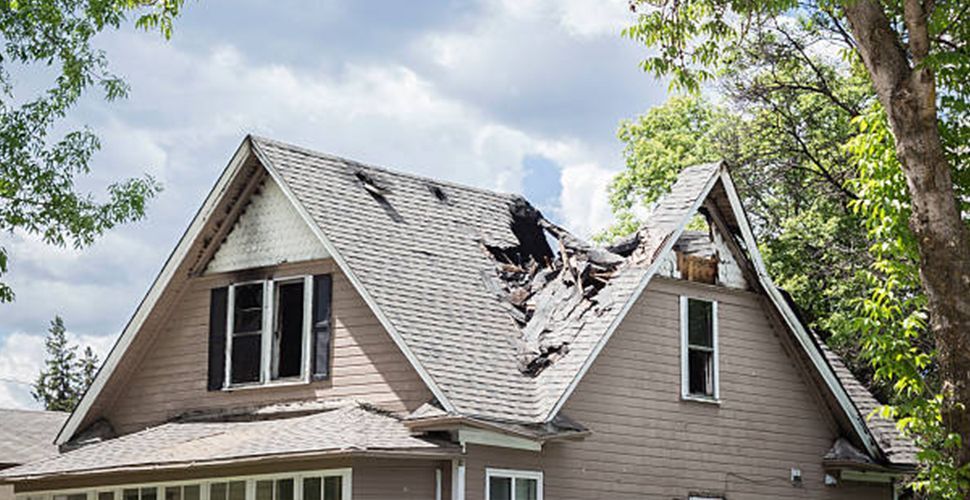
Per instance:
{"type": "Point", "coordinates": [27, 435]}
{"type": "Point", "coordinates": [346, 427]}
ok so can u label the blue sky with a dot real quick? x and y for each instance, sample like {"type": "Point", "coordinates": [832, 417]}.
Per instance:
{"type": "Point", "coordinates": [514, 95]}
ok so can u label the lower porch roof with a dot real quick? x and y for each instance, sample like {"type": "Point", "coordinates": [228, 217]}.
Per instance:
{"type": "Point", "coordinates": [333, 429]}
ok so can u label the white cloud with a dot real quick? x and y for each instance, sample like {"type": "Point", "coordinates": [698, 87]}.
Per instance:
{"type": "Point", "coordinates": [584, 197]}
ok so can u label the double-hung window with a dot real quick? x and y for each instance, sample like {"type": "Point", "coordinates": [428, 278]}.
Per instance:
{"type": "Point", "coordinates": [269, 322]}
{"type": "Point", "coordinates": [504, 484]}
{"type": "Point", "coordinates": [699, 364]}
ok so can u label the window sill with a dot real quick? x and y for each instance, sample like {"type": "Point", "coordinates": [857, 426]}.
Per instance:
{"type": "Point", "coordinates": [268, 385]}
{"type": "Point", "coordinates": [701, 399]}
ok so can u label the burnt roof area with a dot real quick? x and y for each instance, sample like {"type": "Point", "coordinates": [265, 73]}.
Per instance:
{"type": "Point", "coordinates": [545, 289]}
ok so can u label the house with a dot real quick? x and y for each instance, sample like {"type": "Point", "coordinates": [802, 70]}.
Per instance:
{"type": "Point", "coordinates": [26, 436]}
{"type": "Point", "coordinates": [331, 330]}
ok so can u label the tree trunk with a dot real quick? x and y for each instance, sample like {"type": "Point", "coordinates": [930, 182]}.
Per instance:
{"type": "Point", "coordinates": [908, 94]}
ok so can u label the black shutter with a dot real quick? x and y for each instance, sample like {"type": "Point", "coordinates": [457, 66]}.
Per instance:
{"type": "Point", "coordinates": [322, 331]}
{"type": "Point", "coordinates": [218, 305]}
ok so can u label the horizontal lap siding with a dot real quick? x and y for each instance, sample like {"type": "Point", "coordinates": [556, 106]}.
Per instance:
{"type": "Point", "coordinates": [647, 443]}
{"type": "Point", "coordinates": [171, 380]}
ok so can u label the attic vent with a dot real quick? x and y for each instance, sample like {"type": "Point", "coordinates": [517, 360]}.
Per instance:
{"type": "Point", "coordinates": [439, 194]}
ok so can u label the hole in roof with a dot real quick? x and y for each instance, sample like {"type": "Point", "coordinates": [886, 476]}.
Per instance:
{"type": "Point", "coordinates": [369, 183]}
{"type": "Point", "coordinates": [439, 193]}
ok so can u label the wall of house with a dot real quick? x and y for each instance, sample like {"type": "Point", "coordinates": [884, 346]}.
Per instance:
{"type": "Point", "coordinates": [6, 492]}
{"type": "Point", "coordinates": [648, 443]}
{"type": "Point", "coordinates": [170, 378]}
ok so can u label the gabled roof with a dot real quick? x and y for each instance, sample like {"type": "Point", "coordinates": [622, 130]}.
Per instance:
{"type": "Point", "coordinates": [422, 254]}
{"type": "Point", "coordinates": [28, 435]}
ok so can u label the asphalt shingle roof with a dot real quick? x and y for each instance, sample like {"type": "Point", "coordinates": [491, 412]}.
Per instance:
{"type": "Point", "coordinates": [348, 427]}
{"type": "Point", "coordinates": [417, 246]}
{"type": "Point", "coordinates": [27, 435]}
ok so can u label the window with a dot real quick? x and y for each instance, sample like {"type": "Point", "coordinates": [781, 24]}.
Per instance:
{"type": "Point", "coordinates": [699, 365]}
{"type": "Point", "coordinates": [501, 484]}
{"type": "Point", "coordinates": [269, 331]}
{"type": "Point", "coordinates": [332, 484]}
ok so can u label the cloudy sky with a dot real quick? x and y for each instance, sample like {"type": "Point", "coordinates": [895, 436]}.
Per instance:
{"type": "Point", "coordinates": [514, 95]}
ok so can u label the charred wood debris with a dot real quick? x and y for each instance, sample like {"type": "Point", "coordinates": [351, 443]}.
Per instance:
{"type": "Point", "coordinates": [549, 293]}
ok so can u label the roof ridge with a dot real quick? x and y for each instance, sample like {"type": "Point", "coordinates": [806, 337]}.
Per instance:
{"type": "Point", "coordinates": [383, 169]}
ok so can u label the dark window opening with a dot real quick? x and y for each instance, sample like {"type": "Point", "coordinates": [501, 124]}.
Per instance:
{"type": "Point", "coordinates": [247, 330]}
{"type": "Point", "coordinates": [700, 348]}
{"type": "Point", "coordinates": [288, 333]}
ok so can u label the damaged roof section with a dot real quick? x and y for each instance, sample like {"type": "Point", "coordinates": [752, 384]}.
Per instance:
{"type": "Point", "coordinates": [544, 288]}
{"type": "Point", "coordinates": [553, 284]}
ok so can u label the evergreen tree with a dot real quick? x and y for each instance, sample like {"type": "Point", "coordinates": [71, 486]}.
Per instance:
{"type": "Point", "coordinates": [65, 377]}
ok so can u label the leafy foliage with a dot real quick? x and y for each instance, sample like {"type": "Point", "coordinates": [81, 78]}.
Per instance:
{"type": "Point", "coordinates": [38, 167]}
{"type": "Point", "coordinates": [65, 377]}
{"type": "Point", "coordinates": [818, 167]}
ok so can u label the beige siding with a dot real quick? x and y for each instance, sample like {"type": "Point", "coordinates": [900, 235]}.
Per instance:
{"type": "Point", "coordinates": [171, 378]}
{"type": "Point", "coordinates": [647, 443]}
{"type": "Point", "coordinates": [6, 492]}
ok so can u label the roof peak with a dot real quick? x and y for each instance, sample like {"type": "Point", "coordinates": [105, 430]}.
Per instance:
{"type": "Point", "coordinates": [379, 168]}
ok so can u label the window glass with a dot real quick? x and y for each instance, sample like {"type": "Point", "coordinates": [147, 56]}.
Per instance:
{"type": "Point", "coordinates": [73, 496]}
{"type": "Point", "coordinates": [288, 330]}
{"type": "Point", "coordinates": [191, 492]}
{"type": "Point", "coordinates": [237, 490]}
{"type": "Point", "coordinates": [149, 493]}
{"type": "Point", "coordinates": [700, 338]}
{"type": "Point", "coordinates": [311, 488]}
{"type": "Point", "coordinates": [264, 490]}
{"type": "Point", "coordinates": [217, 491]}
{"type": "Point", "coordinates": [499, 488]}
{"type": "Point", "coordinates": [130, 494]}
{"type": "Point", "coordinates": [247, 330]}
{"type": "Point", "coordinates": [105, 495]}
{"type": "Point", "coordinates": [173, 493]}
{"type": "Point", "coordinates": [284, 489]}
{"type": "Point", "coordinates": [526, 489]}
{"type": "Point", "coordinates": [333, 488]}
{"type": "Point", "coordinates": [700, 318]}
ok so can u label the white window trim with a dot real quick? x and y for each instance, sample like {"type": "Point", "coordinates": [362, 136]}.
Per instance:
{"type": "Point", "coordinates": [91, 492]}
{"type": "Point", "coordinates": [684, 339]}
{"type": "Point", "coordinates": [266, 339]}
{"type": "Point", "coordinates": [513, 474]}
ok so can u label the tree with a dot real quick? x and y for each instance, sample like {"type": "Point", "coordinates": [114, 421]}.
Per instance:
{"type": "Point", "coordinates": [37, 168]}
{"type": "Point", "coordinates": [57, 383]}
{"type": "Point", "coordinates": [89, 369]}
{"type": "Point", "coordinates": [915, 57]}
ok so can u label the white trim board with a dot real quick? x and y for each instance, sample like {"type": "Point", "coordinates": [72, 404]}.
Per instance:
{"type": "Point", "coordinates": [161, 283]}
{"type": "Point", "coordinates": [788, 316]}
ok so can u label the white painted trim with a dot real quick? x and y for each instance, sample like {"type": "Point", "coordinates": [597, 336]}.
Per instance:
{"type": "Point", "coordinates": [437, 484]}
{"type": "Point", "coordinates": [306, 371]}
{"type": "Point", "coordinates": [345, 473]}
{"type": "Point", "coordinates": [471, 435]}
{"type": "Point", "coordinates": [355, 281]}
{"type": "Point", "coordinates": [160, 284]}
{"type": "Point", "coordinates": [791, 319]}
{"type": "Point", "coordinates": [457, 479]}
{"type": "Point", "coordinates": [514, 475]}
{"type": "Point", "coordinates": [684, 350]}
{"type": "Point", "coordinates": [266, 334]}
{"type": "Point", "coordinates": [651, 270]}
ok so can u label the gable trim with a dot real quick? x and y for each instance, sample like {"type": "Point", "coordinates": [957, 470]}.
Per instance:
{"type": "Point", "coordinates": [651, 270]}
{"type": "Point", "coordinates": [352, 277]}
{"type": "Point", "coordinates": [795, 325]}
{"type": "Point", "coordinates": [788, 315]}
{"type": "Point", "coordinates": [159, 285]}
